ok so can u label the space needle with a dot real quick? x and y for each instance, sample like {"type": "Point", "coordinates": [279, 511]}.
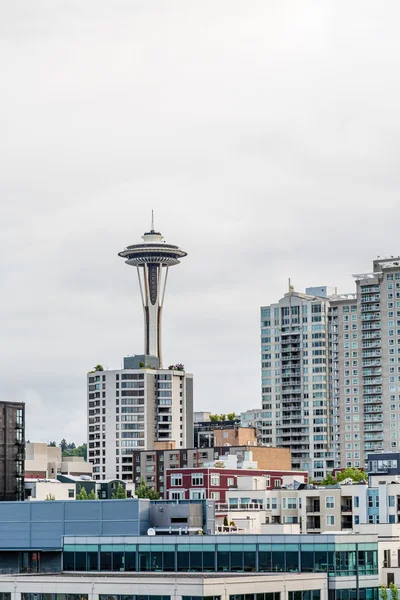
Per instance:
{"type": "Point", "coordinates": [152, 259]}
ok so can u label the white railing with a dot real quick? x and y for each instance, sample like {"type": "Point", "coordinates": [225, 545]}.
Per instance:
{"type": "Point", "coordinates": [225, 507]}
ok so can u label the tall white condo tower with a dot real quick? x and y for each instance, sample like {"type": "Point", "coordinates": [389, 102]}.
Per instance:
{"type": "Point", "coordinates": [152, 259]}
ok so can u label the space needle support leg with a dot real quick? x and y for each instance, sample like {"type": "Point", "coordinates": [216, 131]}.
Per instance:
{"type": "Point", "coordinates": [165, 285]}
{"type": "Point", "coordinates": [140, 286]}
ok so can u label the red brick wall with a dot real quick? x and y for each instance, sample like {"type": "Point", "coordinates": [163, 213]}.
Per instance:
{"type": "Point", "coordinates": [35, 474]}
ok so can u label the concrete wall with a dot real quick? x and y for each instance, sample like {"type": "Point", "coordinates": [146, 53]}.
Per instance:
{"type": "Point", "coordinates": [41, 489]}
{"type": "Point", "coordinates": [237, 436]}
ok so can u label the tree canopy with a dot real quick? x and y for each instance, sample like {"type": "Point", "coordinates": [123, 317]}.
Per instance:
{"type": "Point", "coordinates": [223, 417]}
{"type": "Point", "coordinates": [120, 494]}
{"type": "Point", "coordinates": [143, 490]}
{"type": "Point", "coordinates": [350, 473]}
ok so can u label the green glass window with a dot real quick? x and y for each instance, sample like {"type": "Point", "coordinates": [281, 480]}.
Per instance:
{"type": "Point", "coordinates": [264, 558]}
{"type": "Point", "coordinates": [223, 562]}
{"type": "Point", "coordinates": [307, 558]}
{"type": "Point", "coordinates": [278, 557]}
{"type": "Point", "coordinates": [292, 558]}
{"type": "Point", "coordinates": [249, 557]}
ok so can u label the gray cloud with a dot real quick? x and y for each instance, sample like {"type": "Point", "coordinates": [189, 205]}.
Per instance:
{"type": "Point", "coordinates": [266, 137]}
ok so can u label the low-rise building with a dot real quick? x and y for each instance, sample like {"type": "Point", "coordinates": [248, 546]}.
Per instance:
{"type": "Point", "coordinates": [49, 489]}
{"type": "Point", "coordinates": [110, 550]}
{"type": "Point", "coordinates": [174, 586]}
{"type": "Point", "coordinates": [46, 462]}
{"type": "Point", "coordinates": [214, 479]}
{"type": "Point", "coordinates": [152, 465]}
{"type": "Point", "coordinates": [203, 430]}
{"type": "Point", "coordinates": [316, 509]}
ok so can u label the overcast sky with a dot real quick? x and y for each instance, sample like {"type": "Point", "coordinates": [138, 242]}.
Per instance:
{"type": "Point", "coordinates": [265, 135]}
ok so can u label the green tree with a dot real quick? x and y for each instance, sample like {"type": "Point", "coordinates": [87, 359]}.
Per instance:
{"type": "Point", "coordinates": [52, 444]}
{"type": "Point", "coordinates": [50, 497]}
{"type": "Point", "coordinates": [120, 494]}
{"type": "Point", "coordinates": [143, 490]}
{"type": "Point", "coordinates": [328, 480]}
{"type": "Point", "coordinates": [222, 417]}
{"type": "Point", "coordinates": [226, 524]}
{"type": "Point", "coordinates": [92, 495]}
{"type": "Point", "coordinates": [395, 591]}
{"type": "Point", "coordinates": [99, 368]}
{"type": "Point", "coordinates": [383, 592]}
{"type": "Point", "coordinates": [350, 473]}
{"type": "Point", "coordinates": [63, 445]}
{"type": "Point", "coordinates": [214, 418]}
{"type": "Point", "coordinates": [231, 416]}
{"type": "Point", "coordinates": [76, 451]}
{"type": "Point", "coordinates": [82, 494]}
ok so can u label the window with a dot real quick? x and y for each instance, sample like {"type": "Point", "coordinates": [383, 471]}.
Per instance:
{"type": "Point", "coordinates": [231, 481]}
{"type": "Point", "coordinates": [215, 495]}
{"type": "Point", "coordinates": [330, 502]}
{"type": "Point", "coordinates": [176, 479]}
{"type": "Point", "coordinates": [197, 494]}
{"type": "Point", "coordinates": [197, 478]}
{"type": "Point", "coordinates": [215, 479]}
{"type": "Point", "coordinates": [71, 493]}
{"type": "Point", "coordinates": [330, 520]}
{"type": "Point", "coordinates": [177, 495]}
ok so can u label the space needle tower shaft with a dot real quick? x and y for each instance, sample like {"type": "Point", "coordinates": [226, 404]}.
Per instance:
{"type": "Point", "coordinates": [152, 260]}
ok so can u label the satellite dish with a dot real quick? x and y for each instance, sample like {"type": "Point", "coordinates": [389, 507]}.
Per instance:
{"type": "Point", "coordinates": [151, 531]}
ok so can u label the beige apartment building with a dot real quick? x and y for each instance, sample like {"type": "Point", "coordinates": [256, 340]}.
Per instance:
{"type": "Point", "coordinates": [46, 462]}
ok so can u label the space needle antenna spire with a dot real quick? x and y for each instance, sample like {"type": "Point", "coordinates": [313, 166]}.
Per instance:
{"type": "Point", "coordinates": [152, 259]}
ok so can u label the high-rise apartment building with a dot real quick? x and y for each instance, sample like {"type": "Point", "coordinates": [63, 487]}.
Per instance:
{"type": "Point", "coordinates": [366, 376]}
{"type": "Point", "coordinates": [331, 371]}
{"type": "Point", "coordinates": [136, 409]}
{"type": "Point", "coordinates": [295, 380]}
{"type": "Point", "coordinates": [141, 406]}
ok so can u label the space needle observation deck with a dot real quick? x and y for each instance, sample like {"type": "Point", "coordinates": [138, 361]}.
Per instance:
{"type": "Point", "coordinates": [152, 259]}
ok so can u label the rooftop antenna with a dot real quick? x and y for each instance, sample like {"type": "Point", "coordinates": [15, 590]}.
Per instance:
{"type": "Point", "coordinates": [152, 220]}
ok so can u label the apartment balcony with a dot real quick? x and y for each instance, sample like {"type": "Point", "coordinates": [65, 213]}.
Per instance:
{"type": "Point", "coordinates": [347, 522]}
{"type": "Point", "coordinates": [367, 297]}
{"type": "Point", "coordinates": [373, 437]}
{"type": "Point", "coordinates": [370, 316]}
{"type": "Point", "coordinates": [372, 390]}
{"type": "Point", "coordinates": [370, 417]}
{"type": "Point", "coordinates": [373, 326]}
{"type": "Point", "coordinates": [347, 505]}
{"type": "Point", "coordinates": [372, 399]}
{"type": "Point", "coordinates": [313, 525]}
{"type": "Point", "coordinates": [376, 427]}
{"type": "Point", "coordinates": [370, 447]}
{"type": "Point", "coordinates": [372, 343]}
{"type": "Point", "coordinates": [370, 306]}
{"type": "Point", "coordinates": [313, 508]}
{"type": "Point", "coordinates": [372, 371]}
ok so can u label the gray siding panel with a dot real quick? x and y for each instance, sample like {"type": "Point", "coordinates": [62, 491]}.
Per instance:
{"type": "Point", "coordinates": [46, 535]}
{"type": "Point", "coordinates": [14, 535]}
{"type": "Point", "coordinates": [80, 528]}
{"type": "Point", "coordinates": [83, 510]}
{"type": "Point", "coordinates": [47, 511]}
